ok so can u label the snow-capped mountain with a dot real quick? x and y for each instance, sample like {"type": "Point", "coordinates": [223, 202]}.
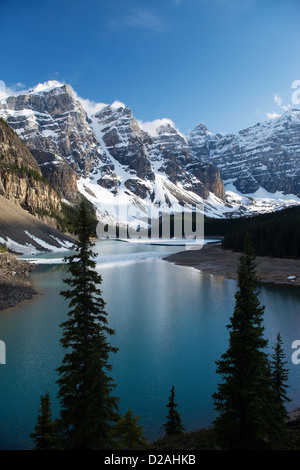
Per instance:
{"type": "Point", "coordinates": [30, 208]}
{"type": "Point", "coordinates": [55, 128]}
{"type": "Point", "coordinates": [103, 152]}
{"type": "Point", "coordinates": [266, 155]}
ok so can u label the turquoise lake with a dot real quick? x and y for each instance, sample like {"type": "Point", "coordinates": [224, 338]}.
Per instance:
{"type": "Point", "coordinates": [170, 324]}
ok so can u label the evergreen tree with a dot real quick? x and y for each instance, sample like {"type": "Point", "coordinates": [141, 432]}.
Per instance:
{"type": "Point", "coordinates": [174, 424]}
{"type": "Point", "coordinates": [129, 434]}
{"type": "Point", "coordinates": [245, 399]}
{"type": "Point", "coordinates": [280, 377]}
{"type": "Point", "coordinates": [88, 410]}
{"type": "Point", "coordinates": [45, 435]}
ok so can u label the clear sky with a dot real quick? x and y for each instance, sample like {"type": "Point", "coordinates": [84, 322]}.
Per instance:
{"type": "Point", "coordinates": [227, 63]}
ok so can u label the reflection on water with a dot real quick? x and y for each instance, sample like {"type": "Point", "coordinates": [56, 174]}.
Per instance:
{"type": "Point", "coordinates": [170, 324]}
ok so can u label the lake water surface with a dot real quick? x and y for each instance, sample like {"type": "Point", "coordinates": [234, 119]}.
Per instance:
{"type": "Point", "coordinates": [170, 323]}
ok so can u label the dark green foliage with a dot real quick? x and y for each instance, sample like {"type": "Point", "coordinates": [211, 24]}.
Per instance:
{"type": "Point", "coordinates": [45, 435]}
{"type": "Point", "coordinates": [276, 234]}
{"type": "Point", "coordinates": [24, 170]}
{"type": "Point", "coordinates": [88, 410]}
{"type": "Point", "coordinates": [5, 123]}
{"type": "Point", "coordinates": [174, 424]}
{"type": "Point", "coordinates": [129, 434]}
{"type": "Point", "coordinates": [201, 439]}
{"type": "Point", "coordinates": [219, 227]}
{"type": "Point", "coordinates": [70, 217]}
{"type": "Point", "coordinates": [280, 378]}
{"type": "Point", "coordinates": [3, 247]}
{"type": "Point", "coordinates": [245, 401]}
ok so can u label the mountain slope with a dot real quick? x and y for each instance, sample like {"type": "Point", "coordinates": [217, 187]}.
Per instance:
{"type": "Point", "coordinates": [24, 233]}
{"type": "Point", "coordinates": [21, 179]}
{"type": "Point", "coordinates": [107, 153]}
{"type": "Point", "coordinates": [104, 153]}
{"type": "Point", "coordinates": [266, 155]}
{"type": "Point", "coordinates": [29, 206]}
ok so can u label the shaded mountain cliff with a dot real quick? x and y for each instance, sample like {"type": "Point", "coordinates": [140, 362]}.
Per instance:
{"type": "Point", "coordinates": [21, 179]}
{"type": "Point", "coordinates": [266, 155]}
{"type": "Point", "coordinates": [29, 207]}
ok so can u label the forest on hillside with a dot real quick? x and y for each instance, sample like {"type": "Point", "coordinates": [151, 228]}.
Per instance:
{"type": "Point", "coordinates": [276, 234]}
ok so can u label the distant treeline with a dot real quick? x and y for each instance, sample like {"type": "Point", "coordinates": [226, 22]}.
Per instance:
{"type": "Point", "coordinates": [276, 234]}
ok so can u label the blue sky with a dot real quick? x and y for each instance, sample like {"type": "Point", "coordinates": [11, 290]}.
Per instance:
{"type": "Point", "coordinates": [227, 63]}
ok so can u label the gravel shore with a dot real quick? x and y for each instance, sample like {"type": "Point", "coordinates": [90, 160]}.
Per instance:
{"type": "Point", "coordinates": [213, 259]}
{"type": "Point", "coordinates": [15, 286]}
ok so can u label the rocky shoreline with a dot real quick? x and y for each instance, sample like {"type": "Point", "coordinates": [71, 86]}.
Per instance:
{"type": "Point", "coordinates": [15, 286]}
{"type": "Point", "coordinates": [213, 259]}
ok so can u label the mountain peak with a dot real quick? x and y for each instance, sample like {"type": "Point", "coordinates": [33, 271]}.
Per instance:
{"type": "Point", "coordinates": [202, 129]}
{"type": "Point", "coordinates": [46, 86]}
{"type": "Point", "coordinates": [154, 128]}
{"type": "Point", "coordinates": [101, 150]}
{"type": "Point", "coordinates": [117, 105]}
{"type": "Point", "coordinates": [294, 113]}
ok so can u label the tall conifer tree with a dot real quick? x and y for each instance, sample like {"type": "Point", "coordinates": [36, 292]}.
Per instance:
{"type": "Point", "coordinates": [88, 409]}
{"type": "Point", "coordinates": [245, 399]}
{"type": "Point", "coordinates": [129, 434]}
{"type": "Point", "coordinates": [280, 378]}
{"type": "Point", "coordinates": [174, 424]}
{"type": "Point", "coordinates": [44, 435]}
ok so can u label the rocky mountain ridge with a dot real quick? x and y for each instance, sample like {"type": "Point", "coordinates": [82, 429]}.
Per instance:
{"type": "Point", "coordinates": [29, 206]}
{"type": "Point", "coordinates": [21, 179]}
{"type": "Point", "coordinates": [266, 155]}
{"type": "Point", "coordinates": [68, 143]}
{"type": "Point", "coordinates": [104, 153]}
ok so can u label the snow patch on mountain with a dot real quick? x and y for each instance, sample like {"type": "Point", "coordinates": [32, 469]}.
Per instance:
{"type": "Point", "coordinates": [46, 87]}
{"type": "Point", "coordinates": [259, 202]}
{"type": "Point", "coordinates": [262, 193]}
{"type": "Point", "coordinates": [151, 127]}
{"type": "Point", "coordinates": [152, 167]}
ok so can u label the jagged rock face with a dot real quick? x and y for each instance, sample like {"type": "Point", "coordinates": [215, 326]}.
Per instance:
{"type": "Point", "coordinates": [56, 130]}
{"type": "Point", "coordinates": [265, 155]}
{"type": "Point", "coordinates": [169, 152]}
{"type": "Point", "coordinates": [103, 151]}
{"type": "Point", "coordinates": [210, 177]}
{"type": "Point", "coordinates": [60, 175]}
{"type": "Point", "coordinates": [123, 139]}
{"type": "Point", "coordinates": [21, 179]}
{"type": "Point", "coordinates": [109, 145]}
